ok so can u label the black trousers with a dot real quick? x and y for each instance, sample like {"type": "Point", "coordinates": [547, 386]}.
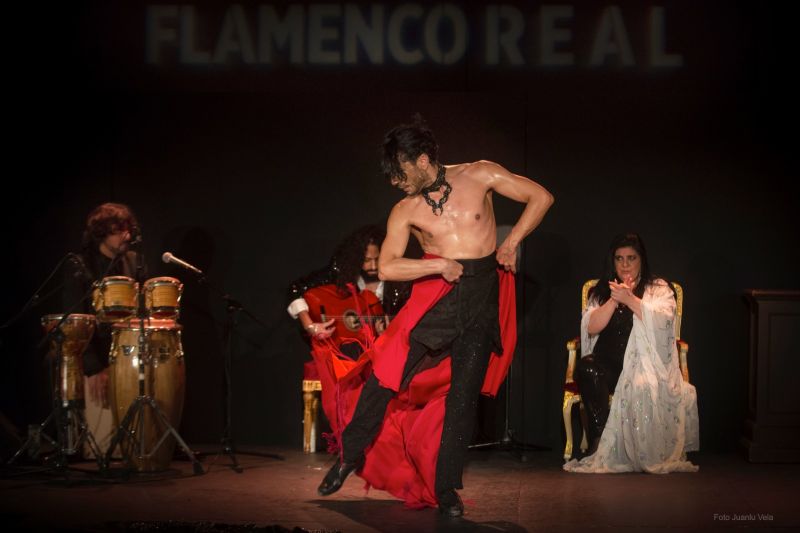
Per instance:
{"type": "Point", "coordinates": [597, 378]}
{"type": "Point", "coordinates": [464, 323]}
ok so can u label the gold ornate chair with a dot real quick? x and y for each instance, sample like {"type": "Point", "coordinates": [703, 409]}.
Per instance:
{"type": "Point", "coordinates": [572, 395]}
{"type": "Point", "coordinates": [311, 392]}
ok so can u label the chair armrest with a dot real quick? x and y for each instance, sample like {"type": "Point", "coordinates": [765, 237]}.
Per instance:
{"type": "Point", "coordinates": [683, 351]}
{"type": "Point", "coordinates": [572, 350]}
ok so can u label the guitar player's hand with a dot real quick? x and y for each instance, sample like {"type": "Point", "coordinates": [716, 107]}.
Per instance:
{"type": "Point", "coordinates": [321, 330]}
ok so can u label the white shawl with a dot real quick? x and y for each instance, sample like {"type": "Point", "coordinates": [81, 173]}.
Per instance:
{"type": "Point", "coordinates": [653, 419]}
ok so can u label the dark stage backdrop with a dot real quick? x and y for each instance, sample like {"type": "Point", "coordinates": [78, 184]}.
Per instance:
{"type": "Point", "coordinates": [251, 164]}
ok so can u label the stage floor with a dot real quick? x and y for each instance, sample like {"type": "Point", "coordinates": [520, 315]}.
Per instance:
{"type": "Point", "coordinates": [277, 492]}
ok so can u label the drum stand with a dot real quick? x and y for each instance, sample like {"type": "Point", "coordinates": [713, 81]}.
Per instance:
{"type": "Point", "coordinates": [72, 432]}
{"type": "Point", "coordinates": [131, 428]}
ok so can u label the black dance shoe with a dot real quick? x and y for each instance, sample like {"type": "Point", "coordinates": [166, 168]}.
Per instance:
{"type": "Point", "coordinates": [336, 475]}
{"type": "Point", "coordinates": [450, 504]}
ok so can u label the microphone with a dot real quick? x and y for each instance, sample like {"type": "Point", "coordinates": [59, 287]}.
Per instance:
{"type": "Point", "coordinates": [82, 271]}
{"type": "Point", "coordinates": [136, 236]}
{"type": "Point", "coordinates": [167, 257]}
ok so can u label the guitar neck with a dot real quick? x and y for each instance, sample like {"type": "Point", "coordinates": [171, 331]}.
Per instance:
{"type": "Point", "coordinates": [325, 318]}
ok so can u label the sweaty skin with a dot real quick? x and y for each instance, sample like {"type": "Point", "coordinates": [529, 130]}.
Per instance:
{"type": "Point", "coordinates": [466, 229]}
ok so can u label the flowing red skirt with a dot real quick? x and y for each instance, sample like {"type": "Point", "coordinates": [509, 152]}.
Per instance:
{"type": "Point", "coordinates": [402, 458]}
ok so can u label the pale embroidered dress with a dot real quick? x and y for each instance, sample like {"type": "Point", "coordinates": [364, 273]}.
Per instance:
{"type": "Point", "coordinates": [653, 419]}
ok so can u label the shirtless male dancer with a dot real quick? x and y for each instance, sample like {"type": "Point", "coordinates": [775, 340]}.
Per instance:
{"type": "Point", "coordinates": [449, 210]}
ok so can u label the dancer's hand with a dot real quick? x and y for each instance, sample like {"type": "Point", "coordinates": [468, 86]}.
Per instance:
{"type": "Point", "coordinates": [452, 270]}
{"type": "Point", "coordinates": [507, 257]}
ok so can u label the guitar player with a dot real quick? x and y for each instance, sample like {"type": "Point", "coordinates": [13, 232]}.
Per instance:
{"type": "Point", "coordinates": [353, 267]}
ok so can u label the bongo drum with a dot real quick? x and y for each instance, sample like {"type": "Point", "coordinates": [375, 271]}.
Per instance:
{"type": "Point", "coordinates": [114, 298]}
{"type": "Point", "coordinates": [164, 381]}
{"type": "Point", "coordinates": [78, 330]}
{"type": "Point", "coordinates": [162, 297]}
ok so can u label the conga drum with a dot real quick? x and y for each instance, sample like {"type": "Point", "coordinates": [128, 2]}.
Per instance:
{"type": "Point", "coordinates": [162, 297]}
{"type": "Point", "coordinates": [164, 381]}
{"type": "Point", "coordinates": [77, 330]}
{"type": "Point", "coordinates": [114, 298]}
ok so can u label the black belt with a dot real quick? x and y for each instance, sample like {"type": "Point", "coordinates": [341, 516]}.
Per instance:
{"type": "Point", "coordinates": [473, 267]}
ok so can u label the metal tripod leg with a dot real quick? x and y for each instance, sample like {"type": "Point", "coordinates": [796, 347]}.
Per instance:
{"type": "Point", "coordinates": [136, 409]}
{"type": "Point", "coordinates": [227, 448]}
{"type": "Point", "coordinates": [198, 467]}
{"type": "Point", "coordinates": [86, 436]}
{"type": "Point", "coordinates": [63, 418]}
{"type": "Point", "coordinates": [30, 442]}
{"type": "Point", "coordinates": [120, 433]}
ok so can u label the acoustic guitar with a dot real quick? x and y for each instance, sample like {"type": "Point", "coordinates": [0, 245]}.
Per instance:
{"type": "Point", "coordinates": [353, 313]}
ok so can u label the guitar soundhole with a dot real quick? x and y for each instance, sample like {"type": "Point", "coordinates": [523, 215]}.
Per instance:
{"type": "Point", "coordinates": [351, 321]}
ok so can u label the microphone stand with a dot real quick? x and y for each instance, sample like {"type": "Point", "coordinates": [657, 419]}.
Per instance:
{"type": "Point", "coordinates": [136, 411]}
{"type": "Point", "coordinates": [233, 309]}
{"type": "Point", "coordinates": [36, 298]}
{"type": "Point", "coordinates": [66, 414]}
{"type": "Point", "coordinates": [508, 442]}
{"type": "Point", "coordinates": [32, 302]}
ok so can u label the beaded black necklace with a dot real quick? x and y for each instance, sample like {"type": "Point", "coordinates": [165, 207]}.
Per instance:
{"type": "Point", "coordinates": [436, 186]}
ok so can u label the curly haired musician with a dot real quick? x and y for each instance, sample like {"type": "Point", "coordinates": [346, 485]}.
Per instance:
{"type": "Point", "coordinates": [105, 251]}
{"type": "Point", "coordinates": [355, 262]}
{"type": "Point", "coordinates": [350, 281]}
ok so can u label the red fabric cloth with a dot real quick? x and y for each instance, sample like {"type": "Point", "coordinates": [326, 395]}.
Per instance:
{"type": "Point", "coordinates": [339, 396]}
{"type": "Point", "coordinates": [341, 379]}
{"type": "Point", "coordinates": [310, 371]}
{"type": "Point", "coordinates": [402, 458]}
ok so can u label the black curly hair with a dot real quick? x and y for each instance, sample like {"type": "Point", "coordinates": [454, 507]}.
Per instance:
{"type": "Point", "coordinates": [407, 142]}
{"type": "Point", "coordinates": [349, 255]}
{"type": "Point", "coordinates": [104, 220]}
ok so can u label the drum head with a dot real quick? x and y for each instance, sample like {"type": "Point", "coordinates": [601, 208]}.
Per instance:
{"type": "Point", "coordinates": [163, 280]}
{"type": "Point", "coordinates": [149, 324]}
{"type": "Point", "coordinates": [115, 298]}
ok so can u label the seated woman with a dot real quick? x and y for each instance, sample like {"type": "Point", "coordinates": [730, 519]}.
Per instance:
{"type": "Point", "coordinates": [628, 349]}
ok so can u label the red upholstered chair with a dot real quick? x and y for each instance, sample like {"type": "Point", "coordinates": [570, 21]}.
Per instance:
{"type": "Point", "coordinates": [572, 395]}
